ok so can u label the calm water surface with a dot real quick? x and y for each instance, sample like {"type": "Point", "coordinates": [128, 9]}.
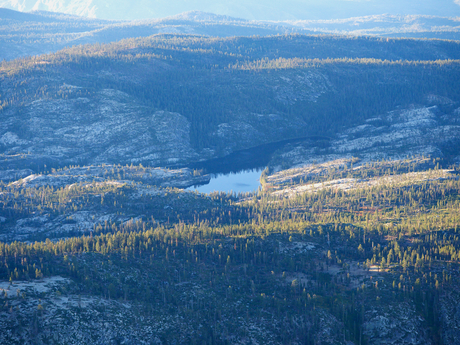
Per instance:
{"type": "Point", "coordinates": [238, 182]}
{"type": "Point", "coordinates": [240, 171]}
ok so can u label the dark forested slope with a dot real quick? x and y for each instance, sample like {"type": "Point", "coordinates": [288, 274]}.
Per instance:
{"type": "Point", "coordinates": [177, 99]}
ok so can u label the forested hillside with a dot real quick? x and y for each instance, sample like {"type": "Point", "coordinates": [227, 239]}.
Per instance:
{"type": "Point", "coordinates": [324, 258]}
{"type": "Point", "coordinates": [227, 94]}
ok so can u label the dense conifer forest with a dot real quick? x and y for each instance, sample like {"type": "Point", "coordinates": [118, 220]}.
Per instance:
{"type": "Point", "coordinates": [285, 257]}
{"type": "Point", "coordinates": [358, 77]}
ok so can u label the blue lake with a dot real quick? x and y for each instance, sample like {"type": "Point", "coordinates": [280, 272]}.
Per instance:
{"type": "Point", "coordinates": [240, 171]}
{"type": "Point", "coordinates": [238, 182]}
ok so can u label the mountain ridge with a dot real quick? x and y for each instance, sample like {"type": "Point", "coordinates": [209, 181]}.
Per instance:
{"type": "Point", "coordinates": [253, 10]}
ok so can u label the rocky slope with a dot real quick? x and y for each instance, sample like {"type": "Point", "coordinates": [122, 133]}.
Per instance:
{"type": "Point", "coordinates": [395, 323]}
{"type": "Point", "coordinates": [450, 316]}
{"type": "Point", "coordinates": [166, 110]}
{"type": "Point", "coordinates": [430, 131]}
{"type": "Point", "coordinates": [52, 310]}
{"type": "Point", "coordinates": [106, 128]}
{"type": "Point", "coordinates": [92, 191]}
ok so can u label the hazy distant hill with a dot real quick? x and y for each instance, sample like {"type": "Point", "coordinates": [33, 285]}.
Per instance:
{"type": "Point", "coordinates": [427, 26]}
{"type": "Point", "coordinates": [255, 9]}
{"type": "Point", "coordinates": [39, 32]}
{"type": "Point", "coordinates": [25, 34]}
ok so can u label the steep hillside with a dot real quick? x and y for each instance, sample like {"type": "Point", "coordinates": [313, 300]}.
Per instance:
{"type": "Point", "coordinates": [178, 99]}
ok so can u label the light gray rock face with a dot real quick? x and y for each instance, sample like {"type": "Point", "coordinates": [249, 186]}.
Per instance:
{"type": "Point", "coordinates": [301, 86]}
{"type": "Point", "coordinates": [418, 130]}
{"type": "Point", "coordinates": [395, 324]}
{"type": "Point", "coordinates": [142, 188]}
{"type": "Point", "coordinates": [14, 175]}
{"type": "Point", "coordinates": [450, 317]}
{"type": "Point", "coordinates": [179, 178]}
{"type": "Point", "coordinates": [330, 330]}
{"type": "Point", "coordinates": [110, 127]}
{"type": "Point", "coordinates": [66, 316]}
{"type": "Point", "coordinates": [77, 319]}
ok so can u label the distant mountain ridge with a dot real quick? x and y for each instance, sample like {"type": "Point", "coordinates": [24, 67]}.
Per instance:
{"type": "Point", "coordinates": [253, 10]}
{"type": "Point", "coordinates": [427, 26]}
{"type": "Point", "coordinates": [85, 8]}
{"type": "Point", "coordinates": [7, 14]}
{"type": "Point", "coordinates": [204, 16]}
{"type": "Point", "coordinates": [40, 32]}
